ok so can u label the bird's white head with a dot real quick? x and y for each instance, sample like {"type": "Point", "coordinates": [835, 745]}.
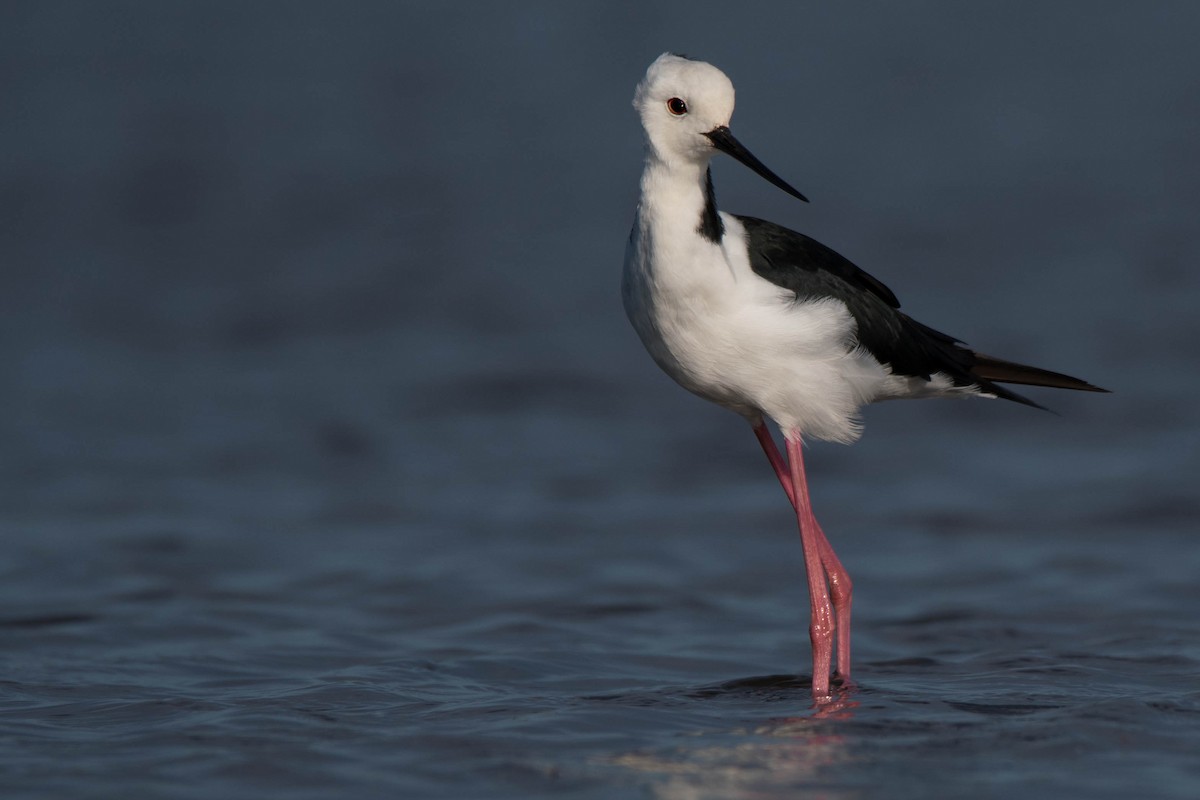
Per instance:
{"type": "Point", "coordinates": [685, 107]}
{"type": "Point", "coordinates": [679, 101]}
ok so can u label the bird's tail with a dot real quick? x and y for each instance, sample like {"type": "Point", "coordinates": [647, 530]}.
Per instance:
{"type": "Point", "coordinates": [1001, 371]}
{"type": "Point", "coordinates": [990, 372]}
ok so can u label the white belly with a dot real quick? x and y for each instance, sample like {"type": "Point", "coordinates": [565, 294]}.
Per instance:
{"type": "Point", "coordinates": [736, 339]}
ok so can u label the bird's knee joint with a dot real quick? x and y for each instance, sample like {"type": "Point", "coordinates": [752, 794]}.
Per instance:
{"type": "Point", "coordinates": [821, 628]}
{"type": "Point", "coordinates": [841, 590]}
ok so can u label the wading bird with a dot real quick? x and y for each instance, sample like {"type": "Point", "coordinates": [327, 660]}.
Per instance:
{"type": "Point", "coordinates": [772, 324]}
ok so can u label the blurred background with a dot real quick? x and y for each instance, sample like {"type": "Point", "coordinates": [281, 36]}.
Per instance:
{"type": "Point", "coordinates": [275, 251]}
{"type": "Point", "coordinates": [310, 324]}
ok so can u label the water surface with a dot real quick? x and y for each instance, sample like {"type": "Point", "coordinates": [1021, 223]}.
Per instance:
{"type": "Point", "coordinates": [330, 466]}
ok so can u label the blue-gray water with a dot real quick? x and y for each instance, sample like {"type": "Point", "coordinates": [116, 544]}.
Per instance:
{"type": "Point", "coordinates": [330, 467]}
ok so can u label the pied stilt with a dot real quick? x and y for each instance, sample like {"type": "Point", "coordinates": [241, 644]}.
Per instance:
{"type": "Point", "coordinates": [772, 324]}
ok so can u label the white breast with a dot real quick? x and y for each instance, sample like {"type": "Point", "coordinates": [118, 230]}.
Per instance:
{"type": "Point", "coordinates": [736, 339]}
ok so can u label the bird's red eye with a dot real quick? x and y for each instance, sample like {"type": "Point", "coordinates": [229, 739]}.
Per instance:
{"type": "Point", "coordinates": [677, 106]}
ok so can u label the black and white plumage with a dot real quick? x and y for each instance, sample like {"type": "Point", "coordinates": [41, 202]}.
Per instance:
{"type": "Point", "coordinates": [769, 322]}
{"type": "Point", "coordinates": [810, 270]}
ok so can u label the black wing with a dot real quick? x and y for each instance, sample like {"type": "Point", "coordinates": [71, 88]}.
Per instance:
{"type": "Point", "coordinates": [811, 270]}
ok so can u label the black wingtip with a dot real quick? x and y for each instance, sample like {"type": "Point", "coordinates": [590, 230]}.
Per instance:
{"type": "Point", "coordinates": [989, 371]}
{"type": "Point", "coordinates": [1000, 370]}
{"type": "Point", "coordinates": [1008, 394]}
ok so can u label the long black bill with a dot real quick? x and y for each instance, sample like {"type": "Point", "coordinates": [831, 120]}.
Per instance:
{"type": "Point", "coordinates": [723, 140]}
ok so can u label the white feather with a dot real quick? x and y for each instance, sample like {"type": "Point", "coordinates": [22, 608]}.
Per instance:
{"type": "Point", "coordinates": [709, 321]}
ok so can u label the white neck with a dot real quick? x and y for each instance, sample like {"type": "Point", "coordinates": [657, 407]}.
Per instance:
{"type": "Point", "coordinates": [672, 191]}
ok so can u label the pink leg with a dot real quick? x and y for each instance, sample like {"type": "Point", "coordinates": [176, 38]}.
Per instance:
{"type": "Point", "coordinates": [840, 586]}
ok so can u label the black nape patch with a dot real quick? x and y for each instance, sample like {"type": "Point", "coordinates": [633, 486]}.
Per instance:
{"type": "Point", "coordinates": [711, 227]}
{"type": "Point", "coordinates": [682, 55]}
